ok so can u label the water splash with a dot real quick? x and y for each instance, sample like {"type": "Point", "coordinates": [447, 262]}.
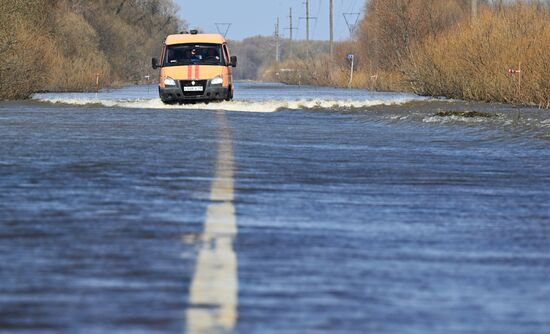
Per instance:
{"type": "Point", "coordinates": [241, 105]}
{"type": "Point", "coordinates": [247, 99]}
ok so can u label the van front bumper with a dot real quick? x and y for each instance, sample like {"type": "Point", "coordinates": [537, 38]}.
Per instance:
{"type": "Point", "coordinates": [178, 94]}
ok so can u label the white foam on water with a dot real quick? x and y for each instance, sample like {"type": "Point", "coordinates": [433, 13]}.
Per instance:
{"type": "Point", "coordinates": [269, 105]}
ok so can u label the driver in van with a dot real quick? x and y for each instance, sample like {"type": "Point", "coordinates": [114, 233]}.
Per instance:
{"type": "Point", "coordinates": [195, 56]}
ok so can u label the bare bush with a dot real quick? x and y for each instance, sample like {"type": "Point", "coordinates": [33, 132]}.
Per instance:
{"type": "Point", "coordinates": [471, 61]}
{"type": "Point", "coordinates": [434, 47]}
{"type": "Point", "coordinates": [63, 44]}
{"type": "Point", "coordinates": [23, 47]}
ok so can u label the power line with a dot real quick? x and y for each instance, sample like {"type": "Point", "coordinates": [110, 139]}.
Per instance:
{"type": "Point", "coordinates": [352, 5]}
{"type": "Point", "coordinates": [314, 33]}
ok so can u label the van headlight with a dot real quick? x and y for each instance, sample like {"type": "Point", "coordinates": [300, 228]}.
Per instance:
{"type": "Point", "coordinates": [217, 81]}
{"type": "Point", "coordinates": [169, 82]}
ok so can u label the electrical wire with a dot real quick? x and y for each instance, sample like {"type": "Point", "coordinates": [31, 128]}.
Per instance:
{"type": "Point", "coordinates": [317, 18]}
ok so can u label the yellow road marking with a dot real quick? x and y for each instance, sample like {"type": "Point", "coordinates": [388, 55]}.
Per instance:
{"type": "Point", "coordinates": [213, 296]}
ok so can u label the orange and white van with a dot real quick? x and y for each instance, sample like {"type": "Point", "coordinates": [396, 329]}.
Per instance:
{"type": "Point", "coordinates": [195, 67]}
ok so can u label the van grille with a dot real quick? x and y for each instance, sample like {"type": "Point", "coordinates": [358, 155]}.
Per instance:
{"type": "Point", "coordinates": [189, 83]}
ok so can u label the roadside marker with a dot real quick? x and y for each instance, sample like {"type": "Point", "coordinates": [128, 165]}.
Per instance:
{"type": "Point", "coordinates": [517, 71]}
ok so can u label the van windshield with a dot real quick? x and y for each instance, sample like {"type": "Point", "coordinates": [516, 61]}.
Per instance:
{"type": "Point", "coordinates": [193, 54]}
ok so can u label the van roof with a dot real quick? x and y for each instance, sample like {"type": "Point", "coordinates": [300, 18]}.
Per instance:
{"type": "Point", "coordinates": [197, 38]}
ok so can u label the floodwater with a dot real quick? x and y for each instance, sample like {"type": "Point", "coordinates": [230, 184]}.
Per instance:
{"type": "Point", "coordinates": [290, 210]}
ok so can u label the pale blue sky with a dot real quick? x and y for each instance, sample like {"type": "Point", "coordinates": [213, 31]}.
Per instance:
{"type": "Point", "coordinates": [257, 17]}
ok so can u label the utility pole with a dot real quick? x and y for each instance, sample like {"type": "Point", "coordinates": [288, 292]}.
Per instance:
{"type": "Point", "coordinates": [331, 18]}
{"type": "Point", "coordinates": [474, 8]}
{"type": "Point", "coordinates": [277, 58]}
{"type": "Point", "coordinates": [307, 20]}
{"type": "Point", "coordinates": [307, 25]}
{"type": "Point", "coordinates": [291, 28]}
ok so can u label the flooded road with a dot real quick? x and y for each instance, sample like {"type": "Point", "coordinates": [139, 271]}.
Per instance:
{"type": "Point", "coordinates": [290, 210]}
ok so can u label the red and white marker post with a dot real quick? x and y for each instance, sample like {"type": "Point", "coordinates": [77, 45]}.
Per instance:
{"type": "Point", "coordinates": [517, 71]}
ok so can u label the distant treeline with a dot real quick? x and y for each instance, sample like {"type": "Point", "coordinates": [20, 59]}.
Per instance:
{"type": "Point", "coordinates": [63, 44]}
{"type": "Point", "coordinates": [436, 47]}
{"type": "Point", "coordinates": [257, 54]}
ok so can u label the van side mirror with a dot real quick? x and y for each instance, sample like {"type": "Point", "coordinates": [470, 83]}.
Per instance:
{"type": "Point", "coordinates": [155, 63]}
{"type": "Point", "coordinates": [233, 61]}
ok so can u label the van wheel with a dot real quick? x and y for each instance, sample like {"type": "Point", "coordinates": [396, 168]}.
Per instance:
{"type": "Point", "coordinates": [229, 96]}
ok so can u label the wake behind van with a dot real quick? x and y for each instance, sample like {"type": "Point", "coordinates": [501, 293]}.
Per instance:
{"type": "Point", "coordinates": [195, 67]}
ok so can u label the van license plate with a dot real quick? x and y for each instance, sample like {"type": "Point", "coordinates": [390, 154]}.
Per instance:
{"type": "Point", "coordinates": [193, 89]}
